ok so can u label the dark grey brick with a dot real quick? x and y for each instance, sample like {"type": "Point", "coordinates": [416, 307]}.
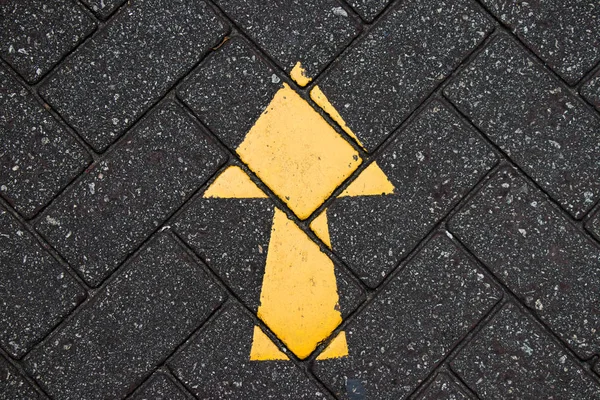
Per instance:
{"type": "Point", "coordinates": [410, 326]}
{"type": "Point", "coordinates": [537, 121]}
{"type": "Point", "coordinates": [36, 34]}
{"type": "Point", "coordinates": [513, 358]}
{"type": "Point", "coordinates": [12, 385]}
{"type": "Point", "coordinates": [38, 157]}
{"type": "Point", "coordinates": [123, 198]}
{"type": "Point", "coordinates": [117, 340]}
{"type": "Point", "coordinates": [110, 81]}
{"type": "Point", "coordinates": [534, 249]}
{"type": "Point", "coordinates": [230, 90]}
{"type": "Point", "coordinates": [563, 33]}
{"type": "Point", "coordinates": [433, 163]}
{"type": "Point", "coordinates": [216, 365]}
{"type": "Point", "coordinates": [443, 388]}
{"type": "Point", "coordinates": [388, 73]}
{"type": "Point", "coordinates": [160, 386]}
{"type": "Point", "coordinates": [103, 8]}
{"type": "Point", "coordinates": [593, 225]}
{"type": "Point", "coordinates": [368, 9]}
{"type": "Point", "coordinates": [291, 31]}
{"type": "Point", "coordinates": [35, 291]}
{"type": "Point", "coordinates": [591, 90]}
{"type": "Point", "coordinates": [232, 237]}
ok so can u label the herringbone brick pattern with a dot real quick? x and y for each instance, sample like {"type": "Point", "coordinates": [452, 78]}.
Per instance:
{"type": "Point", "coordinates": [476, 275]}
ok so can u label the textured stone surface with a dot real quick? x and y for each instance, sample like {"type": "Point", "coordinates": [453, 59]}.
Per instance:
{"type": "Point", "coordinates": [548, 263]}
{"type": "Point", "coordinates": [230, 90]}
{"type": "Point", "coordinates": [103, 8]}
{"type": "Point", "coordinates": [563, 33]}
{"type": "Point", "coordinates": [443, 388]}
{"type": "Point", "coordinates": [513, 358]}
{"type": "Point", "coordinates": [36, 293]}
{"type": "Point", "coordinates": [292, 31]}
{"type": "Point", "coordinates": [36, 34]}
{"type": "Point", "coordinates": [164, 40]}
{"type": "Point", "coordinates": [388, 74]}
{"type": "Point", "coordinates": [123, 198]}
{"type": "Point", "coordinates": [216, 365]}
{"type": "Point", "coordinates": [593, 225]}
{"type": "Point", "coordinates": [12, 385]}
{"type": "Point", "coordinates": [537, 121]}
{"type": "Point", "coordinates": [38, 157]}
{"type": "Point", "coordinates": [145, 313]}
{"type": "Point", "coordinates": [159, 386]}
{"type": "Point", "coordinates": [591, 90]}
{"type": "Point", "coordinates": [411, 325]}
{"type": "Point", "coordinates": [368, 9]}
{"type": "Point", "coordinates": [431, 165]}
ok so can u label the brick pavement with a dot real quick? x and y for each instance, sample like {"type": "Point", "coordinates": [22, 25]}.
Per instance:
{"type": "Point", "coordinates": [344, 199]}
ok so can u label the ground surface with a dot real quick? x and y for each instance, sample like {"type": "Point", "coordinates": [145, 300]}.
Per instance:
{"type": "Point", "coordinates": [240, 199]}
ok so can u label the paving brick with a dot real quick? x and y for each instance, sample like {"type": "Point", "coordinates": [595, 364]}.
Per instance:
{"type": "Point", "coordinates": [563, 33]}
{"type": "Point", "coordinates": [593, 225]}
{"type": "Point", "coordinates": [591, 90]}
{"type": "Point", "coordinates": [368, 9]}
{"type": "Point", "coordinates": [388, 74]}
{"type": "Point", "coordinates": [103, 8]}
{"type": "Point", "coordinates": [433, 163]}
{"type": "Point", "coordinates": [12, 385]}
{"type": "Point", "coordinates": [514, 358]}
{"type": "Point", "coordinates": [538, 254]}
{"type": "Point", "coordinates": [110, 82]}
{"type": "Point", "coordinates": [39, 157]}
{"type": "Point", "coordinates": [123, 198]}
{"type": "Point", "coordinates": [36, 291]}
{"type": "Point", "coordinates": [410, 326]}
{"type": "Point", "coordinates": [230, 90]}
{"type": "Point", "coordinates": [160, 386]}
{"type": "Point", "coordinates": [537, 121]}
{"type": "Point", "coordinates": [36, 34]}
{"type": "Point", "coordinates": [216, 365]}
{"type": "Point", "coordinates": [443, 388]}
{"type": "Point", "coordinates": [292, 31]}
{"type": "Point", "coordinates": [121, 336]}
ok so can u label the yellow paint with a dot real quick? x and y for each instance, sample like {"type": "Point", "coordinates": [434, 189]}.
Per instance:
{"type": "Point", "coordinates": [299, 299]}
{"type": "Point", "coordinates": [298, 74]}
{"type": "Point", "coordinates": [263, 348]}
{"type": "Point", "coordinates": [321, 100]}
{"type": "Point", "coordinates": [234, 183]}
{"type": "Point", "coordinates": [336, 349]}
{"type": "Point", "coordinates": [371, 182]}
{"type": "Point", "coordinates": [321, 228]}
{"type": "Point", "coordinates": [297, 153]}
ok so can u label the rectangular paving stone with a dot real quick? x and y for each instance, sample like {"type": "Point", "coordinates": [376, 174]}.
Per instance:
{"type": "Point", "coordinates": [230, 90]}
{"type": "Point", "coordinates": [36, 34]}
{"type": "Point", "coordinates": [431, 165]}
{"type": "Point", "coordinates": [103, 8]}
{"type": "Point", "coordinates": [399, 338]}
{"type": "Point", "coordinates": [12, 385]}
{"type": "Point", "coordinates": [125, 331]}
{"type": "Point", "coordinates": [368, 9]}
{"type": "Point", "coordinates": [514, 358]}
{"type": "Point", "coordinates": [385, 76]}
{"type": "Point", "coordinates": [36, 292]}
{"type": "Point", "coordinates": [529, 245]}
{"type": "Point", "coordinates": [593, 225]}
{"type": "Point", "coordinates": [542, 127]}
{"type": "Point", "coordinates": [159, 386]}
{"type": "Point", "coordinates": [110, 81]}
{"type": "Point", "coordinates": [216, 364]}
{"type": "Point", "coordinates": [563, 33]}
{"type": "Point", "coordinates": [306, 32]}
{"type": "Point", "coordinates": [39, 157]}
{"type": "Point", "coordinates": [123, 198]}
{"type": "Point", "coordinates": [591, 90]}
{"type": "Point", "coordinates": [443, 388]}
